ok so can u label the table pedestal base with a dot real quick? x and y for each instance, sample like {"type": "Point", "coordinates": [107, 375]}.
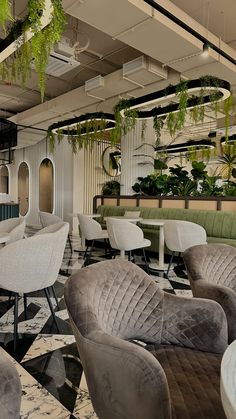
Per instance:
{"type": "Point", "coordinates": [156, 267]}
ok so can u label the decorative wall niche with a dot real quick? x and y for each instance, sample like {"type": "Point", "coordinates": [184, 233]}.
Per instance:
{"type": "Point", "coordinates": [46, 186]}
{"type": "Point", "coordinates": [23, 188]}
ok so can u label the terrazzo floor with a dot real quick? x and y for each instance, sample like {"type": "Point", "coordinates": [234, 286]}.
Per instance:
{"type": "Point", "coordinates": [53, 383]}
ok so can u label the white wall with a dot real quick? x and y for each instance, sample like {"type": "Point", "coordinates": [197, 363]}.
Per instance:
{"type": "Point", "coordinates": [63, 178]}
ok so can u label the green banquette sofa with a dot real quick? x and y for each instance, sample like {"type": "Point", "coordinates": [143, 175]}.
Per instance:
{"type": "Point", "coordinates": [220, 226]}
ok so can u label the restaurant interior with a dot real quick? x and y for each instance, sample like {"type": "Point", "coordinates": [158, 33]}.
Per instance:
{"type": "Point", "coordinates": [117, 209]}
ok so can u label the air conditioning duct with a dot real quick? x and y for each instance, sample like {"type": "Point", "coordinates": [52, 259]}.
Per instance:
{"type": "Point", "coordinates": [144, 70]}
{"type": "Point", "coordinates": [94, 83]}
{"type": "Point", "coordinates": [61, 60]}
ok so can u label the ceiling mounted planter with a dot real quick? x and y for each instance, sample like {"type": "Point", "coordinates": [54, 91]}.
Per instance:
{"type": "Point", "coordinates": [205, 87]}
{"type": "Point", "coordinates": [186, 147]}
{"type": "Point", "coordinates": [81, 130]}
{"type": "Point", "coordinates": [231, 140]}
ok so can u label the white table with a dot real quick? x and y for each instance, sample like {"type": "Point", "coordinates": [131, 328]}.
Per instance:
{"type": "Point", "coordinates": [4, 237]}
{"type": "Point", "coordinates": [228, 381]}
{"type": "Point", "coordinates": [160, 265]}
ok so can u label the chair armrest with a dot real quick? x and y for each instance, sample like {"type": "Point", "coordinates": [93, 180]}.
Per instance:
{"type": "Point", "coordinates": [194, 323]}
{"type": "Point", "coordinates": [124, 380]}
{"type": "Point", "coordinates": [225, 296]}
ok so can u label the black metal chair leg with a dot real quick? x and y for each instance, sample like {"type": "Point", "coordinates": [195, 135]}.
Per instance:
{"type": "Point", "coordinates": [145, 259]}
{"type": "Point", "coordinates": [170, 263]}
{"type": "Point", "coordinates": [9, 299]}
{"type": "Point", "coordinates": [85, 253]}
{"type": "Point", "coordinates": [69, 240]}
{"type": "Point", "coordinates": [105, 242]}
{"type": "Point", "coordinates": [16, 321]}
{"type": "Point", "coordinates": [50, 306]}
{"type": "Point", "coordinates": [89, 253]}
{"type": "Point", "coordinates": [25, 306]}
{"type": "Point", "coordinates": [55, 296]}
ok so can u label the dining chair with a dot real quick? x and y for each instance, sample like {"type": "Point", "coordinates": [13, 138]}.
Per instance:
{"type": "Point", "coordinates": [47, 219]}
{"type": "Point", "coordinates": [211, 271]}
{"type": "Point", "coordinates": [33, 264]}
{"type": "Point", "coordinates": [174, 374]}
{"type": "Point", "coordinates": [180, 235]}
{"type": "Point", "coordinates": [14, 227]}
{"type": "Point", "coordinates": [91, 230]}
{"type": "Point", "coordinates": [126, 237]}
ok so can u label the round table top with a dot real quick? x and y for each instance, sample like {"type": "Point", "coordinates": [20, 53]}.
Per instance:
{"type": "Point", "coordinates": [159, 223]}
{"type": "Point", "coordinates": [75, 214]}
{"type": "Point", "coordinates": [122, 217]}
{"type": "Point", "coordinates": [228, 381]}
{"type": "Point", "coordinates": [4, 237]}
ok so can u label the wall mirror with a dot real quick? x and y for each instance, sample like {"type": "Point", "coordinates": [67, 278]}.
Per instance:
{"type": "Point", "coordinates": [46, 186]}
{"type": "Point", "coordinates": [4, 180]}
{"type": "Point", "coordinates": [23, 188]}
{"type": "Point", "coordinates": [111, 161]}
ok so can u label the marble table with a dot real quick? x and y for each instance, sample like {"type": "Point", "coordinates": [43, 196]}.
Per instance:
{"type": "Point", "coordinates": [159, 265]}
{"type": "Point", "coordinates": [228, 381]}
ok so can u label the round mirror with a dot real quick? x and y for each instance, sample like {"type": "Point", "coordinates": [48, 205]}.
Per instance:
{"type": "Point", "coordinates": [46, 186]}
{"type": "Point", "coordinates": [111, 161]}
{"type": "Point", "coordinates": [23, 188]}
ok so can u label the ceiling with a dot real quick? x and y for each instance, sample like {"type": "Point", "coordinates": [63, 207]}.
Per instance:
{"type": "Point", "coordinates": [119, 32]}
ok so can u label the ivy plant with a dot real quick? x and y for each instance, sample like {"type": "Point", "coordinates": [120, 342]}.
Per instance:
{"type": "Point", "coordinates": [38, 48]}
{"type": "Point", "coordinates": [5, 13]}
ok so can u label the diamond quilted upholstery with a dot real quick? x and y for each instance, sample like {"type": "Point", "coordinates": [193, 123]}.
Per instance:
{"type": "Point", "coordinates": [212, 273]}
{"type": "Point", "coordinates": [10, 389]}
{"type": "Point", "coordinates": [194, 382]}
{"type": "Point", "coordinates": [113, 302]}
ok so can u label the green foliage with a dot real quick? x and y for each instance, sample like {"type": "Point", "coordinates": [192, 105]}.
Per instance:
{"type": "Point", "coordinates": [38, 48]}
{"type": "Point", "coordinates": [112, 187]}
{"type": "Point", "coordinates": [228, 161]}
{"type": "Point", "coordinates": [5, 13]}
{"type": "Point", "coordinates": [158, 123]}
{"type": "Point", "coordinates": [181, 183]}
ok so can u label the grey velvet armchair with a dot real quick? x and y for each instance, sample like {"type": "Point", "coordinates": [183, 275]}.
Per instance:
{"type": "Point", "coordinates": [114, 302]}
{"type": "Point", "coordinates": [212, 274]}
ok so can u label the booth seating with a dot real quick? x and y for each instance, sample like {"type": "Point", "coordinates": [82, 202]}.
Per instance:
{"type": "Point", "coordinates": [220, 226]}
{"type": "Point", "coordinates": [176, 376]}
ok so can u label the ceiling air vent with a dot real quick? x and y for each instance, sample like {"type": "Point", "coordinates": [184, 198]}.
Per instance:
{"type": "Point", "coordinates": [94, 83]}
{"type": "Point", "coordinates": [144, 70]}
{"type": "Point", "coordinates": [61, 60]}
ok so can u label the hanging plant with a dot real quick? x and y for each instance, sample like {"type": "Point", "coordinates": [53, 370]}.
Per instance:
{"type": "Point", "coordinates": [143, 130]}
{"type": "Point", "coordinates": [5, 13]}
{"type": "Point", "coordinates": [37, 49]}
{"type": "Point", "coordinates": [81, 131]}
{"type": "Point", "coordinates": [158, 125]}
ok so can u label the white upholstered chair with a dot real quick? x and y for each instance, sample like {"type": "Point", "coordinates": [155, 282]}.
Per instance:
{"type": "Point", "coordinates": [180, 235]}
{"type": "Point", "coordinates": [14, 227]}
{"type": "Point", "coordinates": [33, 264]}
{"type": "Point", "coordinates": [126, 236]}
{"type": "Point", "coordinates": [47, 219]}
{"type": "Point", "coordinates": [91, 231]}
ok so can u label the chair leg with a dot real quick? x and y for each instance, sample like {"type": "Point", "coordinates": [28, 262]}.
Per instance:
{"type": "Point", "coordinates": [25, 306]}
{"type": "Point", "coordinates": [85, 253]}
{"type": "Point", "coordinates": [50, 306]}
{"type": "Point", "coordinates": [55, 296]}
{"type": "Point", "coordinates": [129, 255]}
{"type": "Point", "coordinates": [170, 263]}
{"type": "Point", "coordinates": [16, 321]}
{"type": "Point", "coordinates": [145, 259]}
{"type": "Point", "coordinates": [9, 299]}
{"type": "Point", "coordinates": [69, 240]}
{"type": "Point", "coordinates": [89, 253]}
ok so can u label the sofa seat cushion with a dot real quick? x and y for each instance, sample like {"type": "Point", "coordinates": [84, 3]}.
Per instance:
{"type": "Point", "coordinates": [194, 381]}
{"type": "Point", "coordinates": [230, 242]}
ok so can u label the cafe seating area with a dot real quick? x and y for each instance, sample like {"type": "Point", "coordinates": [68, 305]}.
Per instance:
{"type": "Point", "coordinates": [117, 209]}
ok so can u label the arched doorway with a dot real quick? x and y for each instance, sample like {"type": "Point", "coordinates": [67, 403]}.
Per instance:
{"type": "Point", "coordinates": [23, 188]}
{"type": "Point", "coordinates": [4, 179]}
{"type": "Point", "coordinates": [46, 186]}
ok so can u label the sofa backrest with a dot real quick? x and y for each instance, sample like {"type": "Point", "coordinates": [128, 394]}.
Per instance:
{"type": "Point", "coordinates": [216, 223]}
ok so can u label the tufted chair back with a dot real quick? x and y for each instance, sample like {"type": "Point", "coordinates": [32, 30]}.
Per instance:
{"type": "Point", "coordinates": [113, 302]}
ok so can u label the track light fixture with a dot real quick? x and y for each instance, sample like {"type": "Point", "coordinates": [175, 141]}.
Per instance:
{"type": "Point", "coordinates": [205, 51]}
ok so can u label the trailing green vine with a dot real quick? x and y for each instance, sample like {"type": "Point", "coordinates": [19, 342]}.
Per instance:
{"type": "Point", "coordinates": [38, 48]}
{"type": "Point", "coordinates": [5, 13]}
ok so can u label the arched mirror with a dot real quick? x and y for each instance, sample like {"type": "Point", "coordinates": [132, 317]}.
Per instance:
{"type": "Point", "coordinates": [111, 161]}
{"type": "Point", "coordinates": [23, 188]}
{"type": "Point", "coordinates": [46, 186]}
{"type": "Point", "coordinates": [4, 180]}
